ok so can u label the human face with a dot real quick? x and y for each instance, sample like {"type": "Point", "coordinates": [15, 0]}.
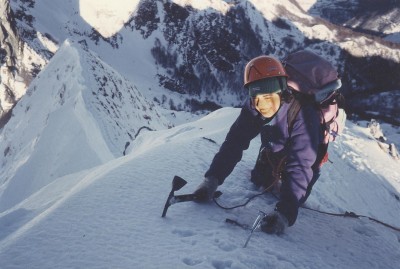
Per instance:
{"type": "Point", "coordinates": [267, 104]}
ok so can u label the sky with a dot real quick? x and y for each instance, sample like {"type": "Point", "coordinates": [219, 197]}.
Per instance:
{"type": "Point", "coordinates": [109, 216]}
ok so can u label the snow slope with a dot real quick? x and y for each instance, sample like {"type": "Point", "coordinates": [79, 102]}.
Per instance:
{"type": "Point", "coordinates": [78, 113]}
{"type": "Point", "coordinates": [109, 216]}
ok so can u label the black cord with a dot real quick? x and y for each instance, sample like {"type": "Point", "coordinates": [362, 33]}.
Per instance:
{"type": "Point", "coordinates": [352, 215]}
{"type": "Point", "coordinates": [346, 214]}
{"type": "Point", "coordinates": [242, 205]}
{"type": "Point", "coordinates": [248, 200]}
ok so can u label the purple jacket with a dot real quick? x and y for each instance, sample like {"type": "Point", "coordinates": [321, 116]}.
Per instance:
{"type": "Point", "coordinates": [299, 174]}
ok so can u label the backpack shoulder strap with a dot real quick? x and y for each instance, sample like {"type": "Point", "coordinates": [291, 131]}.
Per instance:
{"type": "Point", "coordinates": [293, 110]}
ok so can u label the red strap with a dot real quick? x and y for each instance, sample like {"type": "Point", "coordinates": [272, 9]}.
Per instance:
{"type": "Point", "coordinates": [324, 159]}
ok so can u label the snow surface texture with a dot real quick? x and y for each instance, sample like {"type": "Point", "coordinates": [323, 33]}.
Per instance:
{"type": "Point", "coordinates": [109, 216]}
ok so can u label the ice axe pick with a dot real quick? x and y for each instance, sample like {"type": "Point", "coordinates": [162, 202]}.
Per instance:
{"type": "Point", "coordinates": [177, 184]}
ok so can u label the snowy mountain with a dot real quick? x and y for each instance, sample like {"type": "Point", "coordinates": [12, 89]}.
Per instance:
{"type": "Point", "coordinates": [78, 113]}
{"type": "Point", "coordinates": [190, 55]}
{"type": "Point", "coordinates": [378, 18]}
{"type": "Point", "coordinates": [109, 216]}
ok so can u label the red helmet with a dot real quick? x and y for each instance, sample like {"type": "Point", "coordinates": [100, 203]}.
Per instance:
{"type": "Point", "coordinates": [263, 67]}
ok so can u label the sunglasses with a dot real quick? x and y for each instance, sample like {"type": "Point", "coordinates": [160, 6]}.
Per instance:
{"type": "Point", "coordinates": [265, 86]}
{"type": "Point", "coordinates": [328, 92]}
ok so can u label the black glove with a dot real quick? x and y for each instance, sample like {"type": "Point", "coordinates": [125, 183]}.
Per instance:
{"type": "Point", "coordinates": [274, 223]}
{"type": "Point", "coordinates": [205, 191]}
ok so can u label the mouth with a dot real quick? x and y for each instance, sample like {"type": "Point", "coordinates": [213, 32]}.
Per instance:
{"type": "Point", "coordinates": [264, 108]}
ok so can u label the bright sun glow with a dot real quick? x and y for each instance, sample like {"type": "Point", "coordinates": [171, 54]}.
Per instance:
{"type": "Point", "coordinates": [107, 17]}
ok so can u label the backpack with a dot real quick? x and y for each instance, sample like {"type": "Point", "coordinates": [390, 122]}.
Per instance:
{"type": "Point", "coordinates": [312, 79]}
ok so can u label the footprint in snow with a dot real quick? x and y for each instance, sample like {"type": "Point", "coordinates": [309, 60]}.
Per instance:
{"type": "Point", "coordinates": [225, 246]}
{"type": "Point", "coordinates": [183, 233]}
{"type": "Point", "coordinates": [191, 262]}
{"type": "Point", "coordinates": [221, 264]}
{"type": "Point", "coordinates": [180, 131]}
{"type": "Point", "coordinates": [365, 230]}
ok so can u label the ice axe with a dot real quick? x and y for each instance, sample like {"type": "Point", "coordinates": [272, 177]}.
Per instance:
{"type": "Point", "coordinates": [177, 184]}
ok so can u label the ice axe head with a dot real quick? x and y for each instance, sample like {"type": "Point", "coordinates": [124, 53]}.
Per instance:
{"type": "Point", "coordinates": [178, 183]}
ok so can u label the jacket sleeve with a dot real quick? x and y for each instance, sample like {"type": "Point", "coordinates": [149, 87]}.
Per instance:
{"type": "Point", "coordinates": [302, 154]}
{"type": "Point", "coordinates": [246, 127]}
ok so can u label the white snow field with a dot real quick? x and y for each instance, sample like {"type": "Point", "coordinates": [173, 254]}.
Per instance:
{"type": "Point", "coordinates": [109, 216]}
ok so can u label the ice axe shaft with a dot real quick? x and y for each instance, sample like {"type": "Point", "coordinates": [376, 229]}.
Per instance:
{"type": "Point", "coordinates": [189, 197]}
{"type": "Point", "coordinates": [256, 225]}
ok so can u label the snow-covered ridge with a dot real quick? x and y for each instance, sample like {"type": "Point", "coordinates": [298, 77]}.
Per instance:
{"type": "Point", "coordinates": [78, 113]}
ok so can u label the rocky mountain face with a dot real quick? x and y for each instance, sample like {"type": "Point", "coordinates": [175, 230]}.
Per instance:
{"type": "Point", "coordinates": [202, 51]}
{"type": "Point", "coordinates": [10, 50]}
{"type": "Point", "coordinates": [21, 55]}
{"type": "Point", "coordinates": [198, 53]}
{"type": "Point", "coordinates": [378, 20]}
{"type": "Point", "coordinates": [221, 44]}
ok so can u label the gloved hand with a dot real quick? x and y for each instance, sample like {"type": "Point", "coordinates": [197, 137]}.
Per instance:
{"type": "Point", "coordinates": [205, 191]}
{"type": "Point", "coordinates": [274, 223]}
